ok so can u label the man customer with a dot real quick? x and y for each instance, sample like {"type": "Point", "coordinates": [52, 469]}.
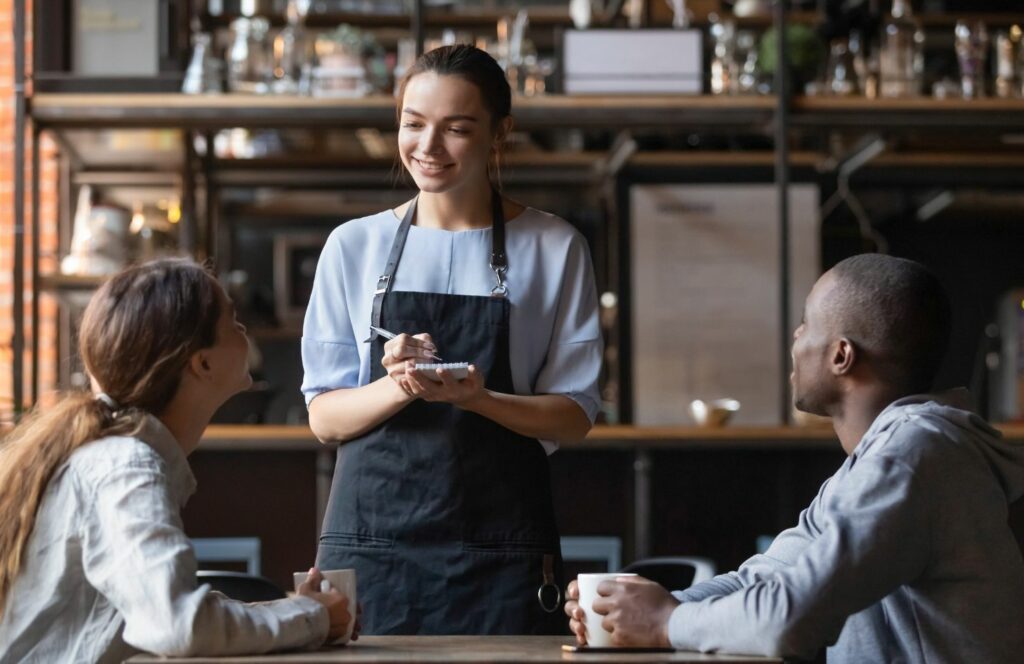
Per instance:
{"type": "Point", "coordinates": [905, 554]}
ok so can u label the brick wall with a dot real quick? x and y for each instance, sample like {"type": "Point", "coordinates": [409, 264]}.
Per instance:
{"type": "Point", "coordinates": [47, 332]}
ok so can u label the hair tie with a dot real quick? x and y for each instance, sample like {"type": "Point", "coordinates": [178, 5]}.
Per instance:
{"type": "Point", "coordinates": [109, 402]}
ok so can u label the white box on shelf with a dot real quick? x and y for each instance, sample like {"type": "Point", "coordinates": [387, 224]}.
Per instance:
{"type": "Point", "coordinates": [633, 61]}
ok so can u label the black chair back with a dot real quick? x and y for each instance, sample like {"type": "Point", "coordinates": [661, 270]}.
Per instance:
{"type": "Point", "coordinates": [674, 573]}
{"type": "Point", "coordinates": [240, 586]}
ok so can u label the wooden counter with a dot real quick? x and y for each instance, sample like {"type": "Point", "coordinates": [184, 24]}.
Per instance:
{"type": "Point", "coordinates": [276, 437]}
{"type": "Point", "coordinates": [298, 438]}
{"type": "Point", "coordinates": [433, 649]}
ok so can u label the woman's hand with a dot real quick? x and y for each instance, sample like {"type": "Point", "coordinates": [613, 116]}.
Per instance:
{"type": "Point", "coordinates": [336, 604]}
{"type": "Point", "coordinates": [404, 350]}
{"type": "Point", "coordinates": [575, 613]}
{"type": "Point", "coordinates": [448, 390]}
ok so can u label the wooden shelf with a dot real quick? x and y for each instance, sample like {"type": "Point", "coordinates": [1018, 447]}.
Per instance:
{"type": "Point", "coordinates": [239, 110]}
{"type": "Point", "coordinates": [923, 113]}
{"type": "Point", "coordinates": [64, 282]}
{"type": "Point", "coordinates": [433, 18]}
{"type": "Point", "coordinates": [547, 111]}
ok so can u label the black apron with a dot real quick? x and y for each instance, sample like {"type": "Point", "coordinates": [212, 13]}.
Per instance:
{"type": "Point", "coordinates": [445, 515]}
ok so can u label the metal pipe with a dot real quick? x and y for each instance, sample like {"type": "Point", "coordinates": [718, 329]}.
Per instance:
{"type": "Point", "coordinates": [18, 342]}
{"type": "Point", "coordinates": [642, 504]}
{"type": "Point", "coordinates": [417, 26]}
{"type": "Point", "coordinates": [35, 263]}
{"type": "Point", "coordinates": [782, 93]}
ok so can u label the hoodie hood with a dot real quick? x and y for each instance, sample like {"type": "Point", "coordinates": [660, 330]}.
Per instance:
{"type": "Point", "coordinates": [952, 414]}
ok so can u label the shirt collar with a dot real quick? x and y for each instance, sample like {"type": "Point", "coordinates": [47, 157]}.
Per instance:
{"type": "Point", "coordinates": [154, 433]}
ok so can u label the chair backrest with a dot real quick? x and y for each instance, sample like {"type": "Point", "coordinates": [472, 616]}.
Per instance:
{"type": "Point", "coordinates": [229, 549]}
{"type": "Point", "coordinates": [674, 573]}
{"type": "Point", "coordinates": [593, 549]}
{"type": "Point", "coordinates": [240, 586]}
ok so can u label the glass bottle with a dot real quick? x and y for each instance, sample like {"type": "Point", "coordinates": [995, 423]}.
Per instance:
{"type": "Point", "coordinates": [901, 61]}
{"type": "Point", "coordinates": [971, 52]}
{"type": "Point", "coordinates": [1006, 66]}
{"type": "Point", "coordinates": [723, 61]}
{"type": "Point", "coordinates": [290, 48]}
{"type": "Point", "coordinates": [840, 72]}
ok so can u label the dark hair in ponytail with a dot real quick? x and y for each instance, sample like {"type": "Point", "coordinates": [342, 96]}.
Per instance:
{"type": "Point", "coordinates": [138, 334]}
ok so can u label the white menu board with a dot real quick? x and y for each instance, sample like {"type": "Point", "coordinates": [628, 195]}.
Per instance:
{"type": "Point", "coordinates": [705, 296]}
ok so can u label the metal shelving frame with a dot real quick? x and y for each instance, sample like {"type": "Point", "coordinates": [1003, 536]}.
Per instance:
{"type": "Point", "coordinates": [782, 113]}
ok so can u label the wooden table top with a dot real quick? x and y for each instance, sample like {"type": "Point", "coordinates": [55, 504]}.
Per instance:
{"type": "Point", "coordinates": [432, 649]}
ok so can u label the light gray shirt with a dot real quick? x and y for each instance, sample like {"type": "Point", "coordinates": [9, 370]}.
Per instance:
{"type": "Point", "coordinates": [905, 554]}
{"type": "Point", "coordinates": [108, 570]}
{"type": "Point", "coordinates": [555, 344]}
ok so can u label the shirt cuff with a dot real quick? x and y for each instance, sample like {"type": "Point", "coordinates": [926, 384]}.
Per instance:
{"type": "Point", "coordinates": [317, 620]}
{"type": "Point", "coordinates": [589, 408]}
{"type": "Point", "coordinates": [679, 635]}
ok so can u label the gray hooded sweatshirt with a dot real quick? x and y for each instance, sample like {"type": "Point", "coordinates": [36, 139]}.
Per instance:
{"type": "Point", "coordinates": [905, 554]}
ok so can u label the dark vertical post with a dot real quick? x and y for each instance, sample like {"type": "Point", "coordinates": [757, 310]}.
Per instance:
{"type": "Point", "coordinates": [641, 504]}
{"type": "Point", "coordinates": [18, 342]}
{"type": "Point", "coordinates": [34, 182]}
{"type": "Point", "coordinates": [188, 231]}
{"type": "Point", "coordinates": [209, 212]}
{"type": "Point", "coordinates": [782, 187]}
{"type": "Point", "coordinates": [417, 25]}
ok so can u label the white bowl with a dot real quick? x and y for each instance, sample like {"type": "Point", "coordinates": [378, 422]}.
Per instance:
{"type": "Point", "coordinates": [713, 413]}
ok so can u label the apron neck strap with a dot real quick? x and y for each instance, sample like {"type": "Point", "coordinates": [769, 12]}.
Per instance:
{"type": "Point", "coordinates": [498, 263]}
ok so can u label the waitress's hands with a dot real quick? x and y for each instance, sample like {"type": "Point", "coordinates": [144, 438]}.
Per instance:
{"type": "Point", "coordinates": [448, 390]}
{"type": "Point", "coordinates": [403, 351]}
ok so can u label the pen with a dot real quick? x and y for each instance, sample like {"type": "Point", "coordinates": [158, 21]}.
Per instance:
{"type": "Point", "coordinates": [391, 335]}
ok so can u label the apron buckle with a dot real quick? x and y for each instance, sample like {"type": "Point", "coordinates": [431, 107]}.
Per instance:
{"type": "Point", "coordinates": [500, 289]}
{"type": "Point", "coordinates": [549, 585]}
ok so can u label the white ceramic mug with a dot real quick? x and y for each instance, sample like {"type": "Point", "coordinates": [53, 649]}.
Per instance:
{"type": "Point", "coordinates": [597, 636]}
{"type": "Point", "coordinates": [342, 580]}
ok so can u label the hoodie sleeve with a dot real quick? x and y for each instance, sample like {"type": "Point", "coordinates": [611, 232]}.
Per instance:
{"type": "Point", "coordinates": [783, 552]}
{"type": "Point", "coordinates": [874, 537]}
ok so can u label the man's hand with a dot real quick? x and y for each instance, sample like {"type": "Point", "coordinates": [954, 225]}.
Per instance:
{"type": "Point", "coordinates": [636, 611]}
{"type": "Point", "coordinates": [575, 613]}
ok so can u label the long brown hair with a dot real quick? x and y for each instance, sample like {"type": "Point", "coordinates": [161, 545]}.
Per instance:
{"type": "Point", "coordinates": [479, 68]}
{"type": "Point", "coordinates": [137, 335]}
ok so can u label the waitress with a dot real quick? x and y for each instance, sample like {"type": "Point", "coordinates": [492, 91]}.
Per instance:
{"type": "Point", "coordinates": [441, 497]}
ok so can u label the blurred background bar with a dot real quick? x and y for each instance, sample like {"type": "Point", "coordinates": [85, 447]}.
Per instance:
{"type": "Point", "coordinates": [715, 167]}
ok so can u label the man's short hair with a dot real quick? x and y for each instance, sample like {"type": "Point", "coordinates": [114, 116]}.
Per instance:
{"type": "Point", "coordinates": [897, 313]}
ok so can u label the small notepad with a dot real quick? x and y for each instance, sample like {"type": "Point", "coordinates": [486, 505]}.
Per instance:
{"type": "Point", "coordinates": [457, 370]}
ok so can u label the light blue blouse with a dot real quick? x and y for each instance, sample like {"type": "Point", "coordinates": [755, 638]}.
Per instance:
{"type": "Point", "coordinates": [555, 344]}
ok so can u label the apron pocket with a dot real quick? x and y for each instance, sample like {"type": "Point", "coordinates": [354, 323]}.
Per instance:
{"type": "Point", "coordinates": [356, 541]}
{"type": "Point", "coordinates": [507, 546]}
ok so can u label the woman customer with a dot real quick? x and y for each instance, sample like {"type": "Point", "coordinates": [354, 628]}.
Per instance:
{"type": "Point", "coordinates": [441, 498]}
{"type": "Point", "coordinates": [93, 561]}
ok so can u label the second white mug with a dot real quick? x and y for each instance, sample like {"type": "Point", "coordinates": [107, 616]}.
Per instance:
{"type": "Point", "coordinates": [342, 580]}
{"type": "Point", "coordinates": [597, 636]}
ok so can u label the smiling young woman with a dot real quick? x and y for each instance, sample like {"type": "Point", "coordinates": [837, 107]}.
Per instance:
{"type": "Point", "coordinates": [441, 498]}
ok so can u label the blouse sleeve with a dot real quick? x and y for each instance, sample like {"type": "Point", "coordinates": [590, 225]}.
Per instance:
{"type": "Point", "coordinates": [330, 351]}
{"type": "Point", "coordinates": [573, 362]}
{"type": "Point", "coordinates": [135, 554]}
